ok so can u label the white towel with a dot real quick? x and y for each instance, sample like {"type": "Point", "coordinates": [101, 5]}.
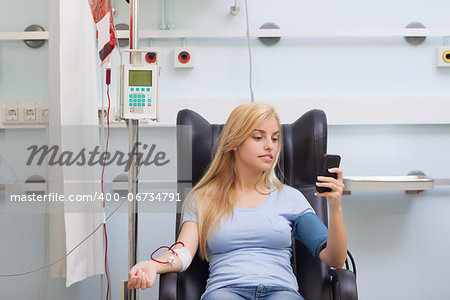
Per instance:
{"type": "Point", "coordinates": [78, 122]}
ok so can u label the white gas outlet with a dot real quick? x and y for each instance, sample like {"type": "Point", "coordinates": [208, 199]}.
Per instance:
{"type": "Point", "coordinates": [153, 56]}
{"type": "Point", "coordinates": [184, 57]}
{"type": "Point", "coordinates": [443, 56]}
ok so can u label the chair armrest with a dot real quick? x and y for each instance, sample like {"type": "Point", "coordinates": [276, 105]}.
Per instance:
{"type": "Point", "coordinates": [168, 286]}
{"type": "Point", "coordinates": [343, 284]}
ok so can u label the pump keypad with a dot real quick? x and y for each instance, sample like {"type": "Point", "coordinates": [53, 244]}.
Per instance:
{"type": "Point", "coordinates": [139, 97]}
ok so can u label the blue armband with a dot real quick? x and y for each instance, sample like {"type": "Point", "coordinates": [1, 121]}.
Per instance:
{"type": "Point", "coordinates": [309, 230]}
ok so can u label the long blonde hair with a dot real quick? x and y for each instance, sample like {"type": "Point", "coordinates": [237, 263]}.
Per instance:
{"type": "Point", "coordinates": [214, 192]}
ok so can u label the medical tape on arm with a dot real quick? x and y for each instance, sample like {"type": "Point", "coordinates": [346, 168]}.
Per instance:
{"type": "Point", "coordinates": [183, 254]}
{"type": "Point", "coordinates": [185, 257]}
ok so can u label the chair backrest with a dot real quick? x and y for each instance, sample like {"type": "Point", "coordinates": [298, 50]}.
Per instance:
{"type": "Point", "coordinates": [304, 143]}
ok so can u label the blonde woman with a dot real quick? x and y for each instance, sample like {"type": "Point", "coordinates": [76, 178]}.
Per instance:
{"type": "Point", "coordinates": [241, 217]}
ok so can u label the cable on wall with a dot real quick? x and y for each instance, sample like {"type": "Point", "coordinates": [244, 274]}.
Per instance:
{"type": "Point", "coordinates": [249, 54]}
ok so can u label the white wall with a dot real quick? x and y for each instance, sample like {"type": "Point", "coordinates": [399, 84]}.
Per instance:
{"type": "Point", "coordinates": [399, 241]}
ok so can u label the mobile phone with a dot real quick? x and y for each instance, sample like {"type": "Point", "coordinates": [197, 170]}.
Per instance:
{"type": "Point", "coordinates": [329, 161]}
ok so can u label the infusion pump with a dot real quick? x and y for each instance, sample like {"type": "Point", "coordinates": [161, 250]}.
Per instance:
{"type": "Point", "coordinates": [139, 85]}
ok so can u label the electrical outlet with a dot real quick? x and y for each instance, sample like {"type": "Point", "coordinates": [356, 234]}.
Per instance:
{"type": "Point", "coordinates": [42, 112]}
{"type": "Point", "coordinates": [443, 56]}
{"type": "Point", "coordinates": [11, 111]}
{"type": "Point", "coordinates": [234, 10]}
{"type": "Point", "coordinates": [183, 57]}
{"type": "Point", "coordinates": [11, 114]}
{"type": "Point", "coordinates": [27, 111]}
{"type": "Point", "coordinates": [29, 114]}
{"type": "Point", "coordinates": [103, 113]}
{"type": "Point", "coordinates": [44, 115]}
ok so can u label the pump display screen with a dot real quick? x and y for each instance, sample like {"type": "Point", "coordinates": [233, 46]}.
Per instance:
{"type": "Point", "coordinates": [140, 78]}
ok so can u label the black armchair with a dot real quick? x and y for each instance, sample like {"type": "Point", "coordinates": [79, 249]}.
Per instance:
{"type": "Point", "coordinates": [304, 143]}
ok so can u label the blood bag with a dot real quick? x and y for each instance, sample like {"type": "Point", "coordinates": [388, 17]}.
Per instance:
{"type": "Point", "coordinates": [103, 18]}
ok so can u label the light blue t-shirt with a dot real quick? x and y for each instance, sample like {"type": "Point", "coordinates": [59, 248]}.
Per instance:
{"type": "Point", "coordinates": [254, 246]}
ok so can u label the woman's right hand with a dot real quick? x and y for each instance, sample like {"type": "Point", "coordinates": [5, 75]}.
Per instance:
{"type": "Point", "coordinates": [142, 275]}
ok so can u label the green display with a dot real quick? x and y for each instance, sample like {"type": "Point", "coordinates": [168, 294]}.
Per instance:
{"type": "Point", "coordinates": [140, 78]}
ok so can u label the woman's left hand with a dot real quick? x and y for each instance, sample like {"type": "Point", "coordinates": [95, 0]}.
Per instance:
{"type": "Point", "coordinates": [336, 186]}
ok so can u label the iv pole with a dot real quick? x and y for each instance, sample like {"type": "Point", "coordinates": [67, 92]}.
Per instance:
{"type": "Point", "coordinates": [133, 133]}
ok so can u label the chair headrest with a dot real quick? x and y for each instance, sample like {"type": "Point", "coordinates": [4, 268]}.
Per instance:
{"type": "Point", "coordinates": [307, 135]}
